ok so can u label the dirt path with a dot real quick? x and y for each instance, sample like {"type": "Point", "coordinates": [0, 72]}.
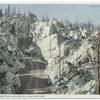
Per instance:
{"type": "Point", "coordinates": [33, 79]}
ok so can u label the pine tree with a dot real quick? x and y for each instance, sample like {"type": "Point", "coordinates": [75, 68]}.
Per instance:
{"type": "Point", "coordinates": [89, 25]}
{"type": "Point", "coordinates": [12, 30]}
{"type": "Point", "coordinates": [8, 10]}
{"type": "Point", "coordinates": [0, 12]}
{"type": "Point", "coordinates": [43, 19]}
{"type": "Point", "coordinates": [18, 31]}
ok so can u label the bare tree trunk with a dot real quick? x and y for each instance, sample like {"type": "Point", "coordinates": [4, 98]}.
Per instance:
{"type": "Point", "coordinates": [18, 33]}
{"type": "Point", "coordinates": [63, 60]}
{"type": "Point", "coordinates": [59, 56]}
{"type": "Point", "coordinates": [8, 10]}
{"type": "Point", "coordinates": [6, 27]}
{"type": "Point", "coordinates": [28, 31]}
{"type": "Point", "coordinates": [59, 60]}
{"type": "Point", "coordinates": [97, 70]}
{"type": "Point", "coordinates": [50, 46]}
{"type": "Point", "coordinates": [76, 55]}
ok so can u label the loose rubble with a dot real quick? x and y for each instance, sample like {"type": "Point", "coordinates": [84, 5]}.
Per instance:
{"type": "Point", "coordinates": [74, 71]}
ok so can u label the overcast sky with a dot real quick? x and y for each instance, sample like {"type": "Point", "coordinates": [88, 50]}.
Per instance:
{"type": "Point", "coordinates": [82, 13]}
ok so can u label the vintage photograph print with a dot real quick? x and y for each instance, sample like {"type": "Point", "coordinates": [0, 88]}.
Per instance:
{"type": "Point", "coordinates": [50, 49]}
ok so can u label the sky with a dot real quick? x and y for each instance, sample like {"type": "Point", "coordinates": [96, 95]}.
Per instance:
{"type": "Point", "coordinates": [73, 12]}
